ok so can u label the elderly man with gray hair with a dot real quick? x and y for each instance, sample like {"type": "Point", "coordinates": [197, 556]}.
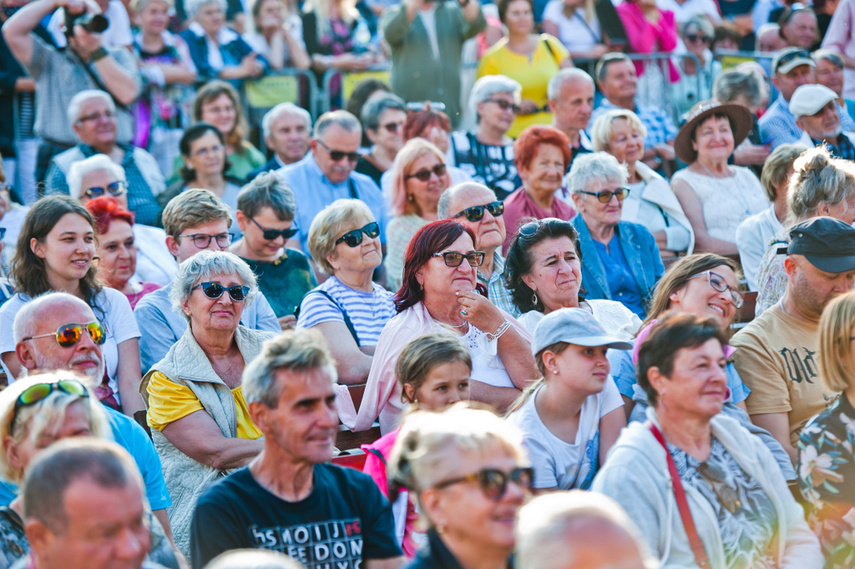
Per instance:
{"type": "Point", "coordinates": [291, 499]}
{"type": "Point", "coordinates": [571, 100]}
{"type": "Point", "coordinates": [818, 116]}
{"type": "Point", "coordinates": [327, 173]}
{"type": "Point", "coordinates": [287, 130]}
{"type": "Point", "coordinates": [487, 154]}
{"type": "Point", "coordinates": [92, 114]}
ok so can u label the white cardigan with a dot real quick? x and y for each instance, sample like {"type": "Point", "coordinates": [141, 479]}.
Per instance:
{"type": "Point", "coordinates": [636, 475]}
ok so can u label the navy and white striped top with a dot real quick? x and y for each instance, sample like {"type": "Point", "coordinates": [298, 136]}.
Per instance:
{"type": "Point", "coordinates": [368, 311]}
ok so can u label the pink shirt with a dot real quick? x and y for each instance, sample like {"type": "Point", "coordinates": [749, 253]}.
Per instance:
{"type": "Point", "coordinates": [520, 205]}
{"type": "Point", "coordinates": [839, 38]}
{"type": "Point", "coordinates": [646, 37]}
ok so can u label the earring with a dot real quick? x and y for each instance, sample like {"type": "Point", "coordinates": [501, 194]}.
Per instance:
{"type": "Point", "coordinates": [534, 298]}
{"type": "Point", "coordinates": [555, 372]}
{"type": "Point", "coordinates": [410, 197]}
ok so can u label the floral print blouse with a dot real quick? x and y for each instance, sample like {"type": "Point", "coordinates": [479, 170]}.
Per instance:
{"type": "Point", "coordinates": [826, 477]}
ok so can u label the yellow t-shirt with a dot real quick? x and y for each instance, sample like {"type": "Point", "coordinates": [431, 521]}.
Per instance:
{"type": "Point", "coordinates": [169, 402]}
{"type": "Point", "coordinates": [533, 74]}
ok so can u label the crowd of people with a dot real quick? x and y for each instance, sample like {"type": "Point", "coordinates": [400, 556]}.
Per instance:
{"type": "Point", "coordinates": [607, 265]}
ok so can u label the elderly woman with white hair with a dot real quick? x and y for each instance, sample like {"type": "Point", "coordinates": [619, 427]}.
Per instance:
{"type": "Point", "coordinates": [650, 201]}
{"type": "Point", "coordinates": [217, 51]}
{"type": "Point", "coordinates": [696, 75]}
{"type": "Point", "coordinates": [418, 178]}
{"type": "Point", "coordinates": [487, 155]}
{"type": "Point", "coordinates": [198, 416]}
{"type": "Point", "coordinates": [349, 309]}
{"type": "Point", "coordinates": [98, 176]}
{"type": "Point", "coordinates": [620, 259]}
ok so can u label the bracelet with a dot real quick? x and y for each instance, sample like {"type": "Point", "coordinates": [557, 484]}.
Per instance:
{"type": "Point", "coordinates": [99, 53]}
{"type": "Point", "coordinates": [503, 327]}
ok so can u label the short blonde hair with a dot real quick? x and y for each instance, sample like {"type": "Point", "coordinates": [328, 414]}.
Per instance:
{"type": "Point", "coordinates": [601, 130]}
{"type": "Point", "coordinates": [413, 150]}
{"type": "Point", "coordinates": [192, 208]}
{"type": "Point", "coordinates": [331, 223]}
{"type": "Point", "coordinates": [777, 167]}
{"type": "Point", "coordinates": [47, 415]}
{"type": "Point", "coordinates": [835, 347]}
{"type": "Point", "coordinates": [430, 445]}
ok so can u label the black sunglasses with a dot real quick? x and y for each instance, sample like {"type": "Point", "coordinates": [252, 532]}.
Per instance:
{"type": "Point", "coordinates": [424, 174]}
{"type": "Point", "coordinates": [215, 290]}
{"type": "Point", "coordinates": [338, 155]}
{"type": "Point", "coordinates": [494, 483]}
{"type": "Point", "coordinates": [393, 127]}
{"type": "Point", "coordinates": [273, 234]}
{"type": "Point", "coordinates": [606, 196]}
{"type": "Point", "coordinates": [454, 259]}
{"type": "Point", "coordinates": [68, 335]}
{"type": "Point", "coordinates": [695, 37]}
{"type": "Point", "coordinates": [354, 238]}
{"type": "Point", "coordinates": [114, 189]}
{"type": "Point", "coordinates": [476, 212]}
{"type": "Point", "coordinates": [38, 392]}
{"type": "Point", "coordinates": [505, 105]}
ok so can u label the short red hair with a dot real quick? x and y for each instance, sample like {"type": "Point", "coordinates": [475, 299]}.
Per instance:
{"type": "Point", "coordinates": [420, 121]}
{"type": "Point", "coordinates": [104, 210]}
{"type": "Point", "coordinates": [532, 138]}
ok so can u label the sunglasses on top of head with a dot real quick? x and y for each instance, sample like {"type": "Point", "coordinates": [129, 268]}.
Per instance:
{"type": "Point", "coordinates": [354, 238]}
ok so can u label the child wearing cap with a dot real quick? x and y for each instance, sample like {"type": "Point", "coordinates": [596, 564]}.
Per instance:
{"type": "Point", "coordinates": [573, 415]}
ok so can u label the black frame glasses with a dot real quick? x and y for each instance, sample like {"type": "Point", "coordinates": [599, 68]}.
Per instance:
{"type": "Point", "coordinates": [455, 259]}
{"type": "Point", "coordinates": [237, 293]}
{"type": "Point", "coordinates": [424, 174]}
{"type": "Point", "coordinates": [40, 391]}
{"type": "Point", "coordinates": [354, 238]}
{"type": "Point", "coordinates": [476, 212]}
{"type": "Point", "coordinates": [115, 189]}
{"type": "Point", "coordinates": [606, 195]}
{"type": "Point", "coordinates": [202, 240]}
{"type": "Point", "coordinates": [69, 335]}
{"type": "Point", "coordinates": [338, 155]}
{"type": "Point", "coordinates": [505, 105]}
{"type": "Point", "coordinates": [273, 234]}
{"type": "Point", "coordinates": [494, 482]}
{"type": "Point", "coordinates": [718, 284]}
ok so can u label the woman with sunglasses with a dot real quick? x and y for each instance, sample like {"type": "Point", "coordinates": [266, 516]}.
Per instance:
{"type": "Point", "coordinates": [55, 251]}
{"type": "Point", "coordinates": [542, 156]}
{"type": "Point", "coordinates": [418, 178]}
{"type": "Point", "coordinates": [716, 196]}
{"type": "Point", "coordinates": [469, 474]}
{"type": "Point", "coordinates": [99, 177]}
{"type": "Point", "coordinates": [265, 213]}
{"type": "Point", "coordinates": [704, 491]}
{"type": "Point", "coordinates": [621, 259]}
{"type": "Point", "coordinates": [438, 294]}
{"type": "Point", "coordinates": [696, 77]}
{"type": "Point", "coordinates": [383, 117]}
{"type": "Point", "coordinates": [349, 309]}
{"type": "Point", "coordinates": [198, 416]}
{"type": "Point", "coordinates": [36, 412]}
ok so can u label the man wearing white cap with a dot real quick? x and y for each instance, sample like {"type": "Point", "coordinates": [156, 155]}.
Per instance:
{"type": "Point", "coordinates": [816, 112]}
{"type": "Point", "coordinates": [791, 68]}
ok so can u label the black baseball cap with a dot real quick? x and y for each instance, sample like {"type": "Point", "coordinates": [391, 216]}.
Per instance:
{"type": "Point", "coordinates": [828, 243]}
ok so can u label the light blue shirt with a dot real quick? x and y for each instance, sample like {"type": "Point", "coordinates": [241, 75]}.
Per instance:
{"type": "Point", "coordinates": [313, 191]}
{"type": "Point", "coordinates": [161, 327]}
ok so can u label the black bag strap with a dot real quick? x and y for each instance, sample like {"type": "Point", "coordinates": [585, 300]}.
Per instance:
{"type": "Point", "coordinates": [344, 315]}
{"type": "Point", "coordinates": [119, 105]}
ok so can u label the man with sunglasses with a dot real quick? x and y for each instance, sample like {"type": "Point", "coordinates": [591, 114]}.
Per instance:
{"type": "Point", "coordinates": [476, 207]}
{"type": "Point", "coordinates": [290, 499]}
{"type": "Point", "coordinates": [195, 220]}
{"type": "Point", "coordinates": [328, 173]}
{"type": "Point", "coordinates": [776, 352]}
{"type": "Point", "coordinates": [791, 68]}
{"type": "Point", "coordinates": [92, 114]}
{"type": "Point", "coordinates": [59, 331]}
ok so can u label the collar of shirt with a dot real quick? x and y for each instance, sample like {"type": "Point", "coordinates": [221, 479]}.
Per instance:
{"type": "Point", "coordinates": [498, 269]}
{"type": "Point", "coordinates": [313, 169]}
{"type": "Point", "coordinates": [224, 36]}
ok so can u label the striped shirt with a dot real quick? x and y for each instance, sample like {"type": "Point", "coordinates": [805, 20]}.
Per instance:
{"type": "Point", "coordinates": [368, 311]}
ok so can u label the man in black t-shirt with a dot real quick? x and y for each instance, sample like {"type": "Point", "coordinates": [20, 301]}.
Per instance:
{"type": "Point", "coordinates": [289, 499]}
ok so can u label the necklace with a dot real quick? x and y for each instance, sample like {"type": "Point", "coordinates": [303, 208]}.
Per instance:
{"type": "Point", "coordinates": [713, 175]}
{"type": "Point", "coordinates": [465, 322]}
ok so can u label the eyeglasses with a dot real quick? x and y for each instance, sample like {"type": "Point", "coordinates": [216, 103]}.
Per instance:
{"type": "Point", "coordinates": [424, 174]}
{"type": "Point", "coordinates": [799, 53]}
{"type": "Point", "coordinates": [494, 483]}
{"type": "Point", "coordinates": [717, 479]}
{"type": "Point", "coordinates": [96, 116]}
{"type": "Point", "coordinates": [273, 234]}
{"type": "Point", "coordinates": [68, 335]}
{"type": "Point", "coordinates": [505, 105]}
{"type": "Point", "coordinates": [393, 127]}
{"type": "Point", "coordinates": [40, 391]}
{"type": "Point", "coordinates": [354, 238]}
{"type": "Point", "coordinates": [215, 290]}
{"type": "Point", "coordinates": [338, 155]}
{"type": "Point", "coordinates": [695, 38]}
{"type": "Point", "coordinates": [454, 259]}
{"type": "Point", "coordinates": [202, 240]}
{"type": "Point", "coordinates": [476, 212]}
{"type": "Point", "coordinates": [719, 284]}
{"type": "Point", "coordinates": [551, 223]}
{"type": "Point", "coordinates": [115, 189]}
{"type": "Point", "coordinates": [606, 196]}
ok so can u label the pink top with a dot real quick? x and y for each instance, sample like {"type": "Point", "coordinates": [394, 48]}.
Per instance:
{"type": "Point", "coordinates": [839, 38]}
{"type": "Point", "coordinates": [137, 296]}
{"type": "Point", "coordinates": [646, 37]}
{"type": "Point", "coordinates": [520, 205]}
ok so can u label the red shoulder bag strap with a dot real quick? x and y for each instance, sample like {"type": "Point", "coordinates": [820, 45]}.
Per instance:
{"type": "Point", "coordinates": [682, 504]}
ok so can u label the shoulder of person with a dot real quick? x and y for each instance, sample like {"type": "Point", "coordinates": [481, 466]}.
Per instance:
{"type": "Point", "coordinates": [754, 333]}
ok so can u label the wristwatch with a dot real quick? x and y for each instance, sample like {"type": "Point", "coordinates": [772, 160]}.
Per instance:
{"type": "Point", "coordinates": [99, 53]}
